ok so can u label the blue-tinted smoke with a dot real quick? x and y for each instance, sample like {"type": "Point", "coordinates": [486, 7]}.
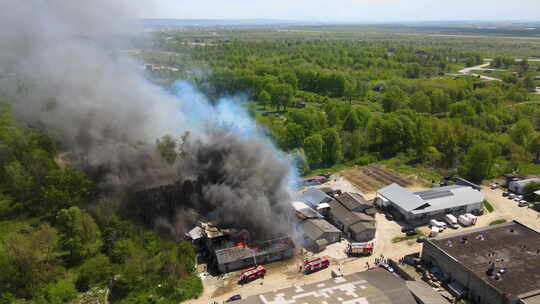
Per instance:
{"type": "Point", "coordinates": [227, 113]}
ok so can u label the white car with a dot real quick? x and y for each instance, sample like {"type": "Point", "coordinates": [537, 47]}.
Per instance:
{"type": "Point", "coordinates": [511, 196]}
{"type": "Point", "coordinates": [523, 203]}
{"type": "Point", "coordinates": [494, 186]}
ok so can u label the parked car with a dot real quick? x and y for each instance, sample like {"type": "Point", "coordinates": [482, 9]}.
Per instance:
{"type": "Point", "coordinates": [420, 239]}
{"type": "Point", "coordinates": [517, 199]}
{"type": "Point", "coordinates": [505, 194]}
{"type": "Point", "coordinates": [410, 232]}
{"type": "Point", "coordinates": [389, 217]}
{"type": "Point", "coordinates": [511, 196]}
{"type": "Point", "coordinates": [406, 228]}
{"type": "Point", "coordinates": [494, 186]}
{"type": "Point", "coordinates": [234, 298]}
{"type": "Point", "coordinates": [523, 203]}
{"type": "Point", "coordinates": [387, 267]}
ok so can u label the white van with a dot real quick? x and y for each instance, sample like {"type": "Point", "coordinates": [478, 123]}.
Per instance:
{"type": "Point", "coordinates": [452, 221]}
{"type": "Point", "coordinates": [438, 224]}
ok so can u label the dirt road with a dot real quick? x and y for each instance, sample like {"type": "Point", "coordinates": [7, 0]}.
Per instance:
{"type": "Point", "coordinates": [481, 67]}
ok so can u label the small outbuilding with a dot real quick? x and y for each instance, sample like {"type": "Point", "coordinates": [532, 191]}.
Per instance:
{"type": "Point", "coordinates": [518, 186]}
{"type": "Point", "coordinates": [318, 229]}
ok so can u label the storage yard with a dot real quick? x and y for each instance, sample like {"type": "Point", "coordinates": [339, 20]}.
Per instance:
{"type": "Point", "coordinates": [374, 177]}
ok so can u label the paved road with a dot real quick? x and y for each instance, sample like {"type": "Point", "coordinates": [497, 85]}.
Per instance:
{"type": "Point", "coordinates": [481, 67]}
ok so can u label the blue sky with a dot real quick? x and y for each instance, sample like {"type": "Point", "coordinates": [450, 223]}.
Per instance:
{"type": "Point", "coordinates": [347, 10]}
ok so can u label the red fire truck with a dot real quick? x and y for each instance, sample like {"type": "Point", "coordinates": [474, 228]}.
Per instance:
{"type": "Point", "coordinates": [359, 249]}
{"type": "Point", "coordinates": [315, 264]}
{"type": "Point", "coordinates": [251, 274]}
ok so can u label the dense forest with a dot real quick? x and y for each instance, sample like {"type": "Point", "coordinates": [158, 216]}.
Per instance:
{"type": "Point", "coordinates": [355, 102]}
{"type": "Point", "coordinates": [59, 242]}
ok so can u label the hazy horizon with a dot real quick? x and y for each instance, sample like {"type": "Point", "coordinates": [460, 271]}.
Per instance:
{"type": "Point", "coordinates": [347, 11]}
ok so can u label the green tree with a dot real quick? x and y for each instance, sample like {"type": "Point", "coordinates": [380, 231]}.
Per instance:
{"type": "Point", "coordinates": [29, 261]}
{"type": "Point", "coordinates": [64, 188]}
{"type": "Point", "coordinates": [519, 156]}
{"type": "Point", "coordinates": [19, 181]}
{"type": "Point", "coordinates": [528, 83]}
{"type": "Point", "coordinates": [440, 101]}
{"type": "Point", "coordinates": [282, 95]}
{"type": "Point", "coordinates": [351, 123]}
{"type": "Point", "coordinates": [167, 149]}
{"type": "Point", "coordinates": [394, 99]}
{"type": "Point", "coordinates": [534, 147]}
{"type": "Point", "coordinates": [332, 152]}
{"type": "Point", "coordinates": [461, 109]}
{"type": "Point", "coordinates": [294, 135]}
{"type": "Point", "coordinates": [478, 162]}
{"type": "Point", "coordinates": [522, 132]}
{"type": "Point", "coordinates": [95, 271]}
{"type": "Point", "coordinates": [79, 234]}
{"type": "Point", "coordinates": [313, 146]}
{"type": "Point", "coordinates": [420, 102]}
{"type": "Point", "coordinates": [61, 291]}
{"type": "Point", "coordinates": [264, 98]}
{"type": "Point", "coordinates": [528, 191]}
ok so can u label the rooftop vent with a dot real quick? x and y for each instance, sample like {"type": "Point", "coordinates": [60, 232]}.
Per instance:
{"type": "Point", "coordinates": [491, 268]}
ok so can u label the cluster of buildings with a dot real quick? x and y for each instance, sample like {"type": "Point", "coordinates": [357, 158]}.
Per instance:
{"type": "Point", "coordinates": [325, 216]}
{"type": "Point", "coordinates": [490, 265]}
{"type": "Point", "coordinates": [230, 250]}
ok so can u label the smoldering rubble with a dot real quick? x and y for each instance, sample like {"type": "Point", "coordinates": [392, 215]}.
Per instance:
{"type": "Point", "coordinates": [60, 64]}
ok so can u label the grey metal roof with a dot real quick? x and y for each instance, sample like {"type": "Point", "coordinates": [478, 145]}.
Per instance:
{"type": "Point", "coordinates": [315, 228]}
{"type": "Point", "coordinates": [313, 197]}
{"type": "Point", "coordinates": [362, 226]}
{"type": "Point", "coordinates": [449, 197]}
{"type": "Point", "coordinates": [368, 287]}
{"type": "Point", "coordinates": [400, 196]}
{"type": "Point", "coordinates": [524, 182]}
{"type": "Point", "coordinates": [351, 201]}
{"type": "Point", "coordinates": [425, 293]}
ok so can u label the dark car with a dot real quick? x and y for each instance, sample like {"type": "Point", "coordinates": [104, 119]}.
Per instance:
{"type": "Point", "coordinates": [234, 298]}
{"type": "Point", "coordinates": [505, 194]}
{"type": "Point", "coordinates": [410, 232]}
{"type": "Point", "coordinates": [406, 228]}
{"type": "Point", "coordinates": [420, 239]}
{"type": "Point", "coordinates": [389, 217]}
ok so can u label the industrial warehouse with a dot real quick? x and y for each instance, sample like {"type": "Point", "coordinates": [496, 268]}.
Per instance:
{"type": "Point", "coordinates": [419, 207]}
{"type": "Point", "coordinates": [371, 287]}
{"type": "Point", "coordinates": [490, 265]}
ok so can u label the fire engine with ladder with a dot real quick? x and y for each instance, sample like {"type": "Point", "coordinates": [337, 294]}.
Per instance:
{"type": "Point", "coordinates": [359, 249]}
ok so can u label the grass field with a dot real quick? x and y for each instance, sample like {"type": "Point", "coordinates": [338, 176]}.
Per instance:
{"type": "Point", "coordinates": [408, 237]}
{"type": "Point", "coordinates": [488, 206]}
{"type": "Point", "coordinates": [497, 222]}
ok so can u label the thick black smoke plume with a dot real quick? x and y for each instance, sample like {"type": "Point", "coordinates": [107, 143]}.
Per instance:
{"type": "Point", "coordinates": [60, 63]}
